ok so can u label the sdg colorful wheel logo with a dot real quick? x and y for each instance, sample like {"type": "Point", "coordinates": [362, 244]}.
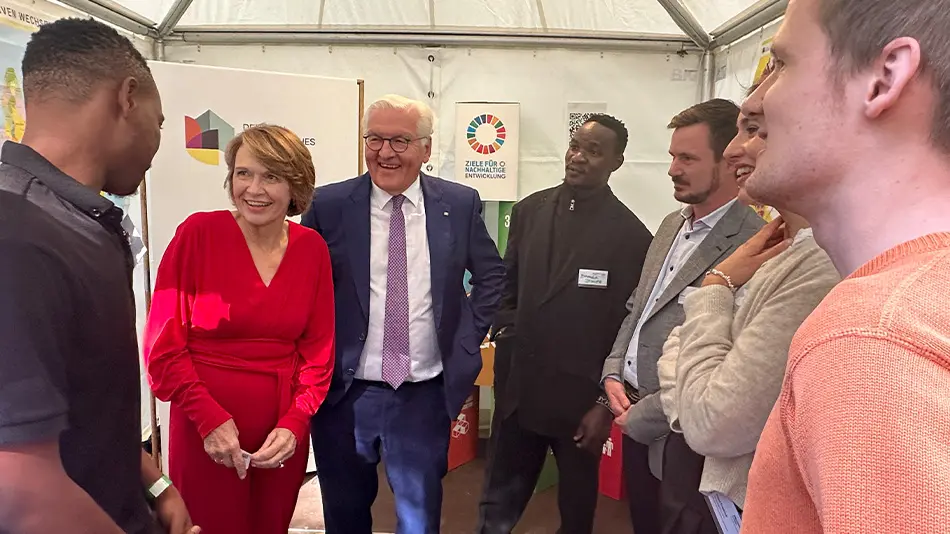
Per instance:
{"type": "Point", "coordinates": [486, 122]}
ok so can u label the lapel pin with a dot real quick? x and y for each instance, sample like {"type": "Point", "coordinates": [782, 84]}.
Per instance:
{"type": "Point", "coordinates": [445, 213]}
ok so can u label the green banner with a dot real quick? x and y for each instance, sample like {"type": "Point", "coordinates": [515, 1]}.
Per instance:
{"type": "Point", "coordinates": [504, 222]}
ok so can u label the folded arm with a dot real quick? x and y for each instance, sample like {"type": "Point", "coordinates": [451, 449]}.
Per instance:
{"type": "Point", "coordinates": [171, 372]}
{"type": "Point", "coordinates": [487, 268]}
{"type": "Point", "coordinates": [869, 423]}
{"type": "Point", "coordinates": [316, 350]}
{"type": "Point", "coordinates": [713, 366]}
{"type": "Point", "coordinates": [36, 314]}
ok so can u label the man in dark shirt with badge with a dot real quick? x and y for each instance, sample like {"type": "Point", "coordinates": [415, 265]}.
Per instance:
{"type": "Point", "coordinates": [70, 430]}
{"type": "Point", "coordinates": [574, 257]}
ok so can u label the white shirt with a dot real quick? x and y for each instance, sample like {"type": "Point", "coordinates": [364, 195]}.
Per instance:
{"type": "Point", "coordinates": [423, 342]}
{"type": "Point", "coordinates": [691, 234]}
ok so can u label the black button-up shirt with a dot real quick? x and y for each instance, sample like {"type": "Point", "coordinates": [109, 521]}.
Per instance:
{"type": "Point", "coordinates": [69, 361]}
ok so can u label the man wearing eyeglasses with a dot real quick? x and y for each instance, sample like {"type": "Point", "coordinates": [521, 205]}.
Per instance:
{"type": "Point", "coordinates": [408, 338]}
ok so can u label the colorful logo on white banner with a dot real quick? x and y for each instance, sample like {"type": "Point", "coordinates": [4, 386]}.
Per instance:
{"type": "Point", "coordinates": [207, 136]}
{"type": "Point", "coordinates": [493, 135]}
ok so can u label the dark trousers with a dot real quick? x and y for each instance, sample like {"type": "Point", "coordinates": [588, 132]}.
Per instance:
{"type": "Point", "coordinates": [409, 427]}
{"type": "Point", "coordinates": [683, 509]}
{"type": "Point", "coordinates": [643, 489]}
{"type": "Point", "coordinates": [515, 459]}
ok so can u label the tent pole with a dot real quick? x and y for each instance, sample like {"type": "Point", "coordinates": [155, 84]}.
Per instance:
{"type": "Point", "coordinates": [231, 35]}
{"type": "Point", "coordinates": [115, 14]}
{"type": "Point", "coordinates": [760, 14]}
{"type": "Point", "coordinates": [687, 22]}
{"type": "Point", "coordinates": [174, 14]}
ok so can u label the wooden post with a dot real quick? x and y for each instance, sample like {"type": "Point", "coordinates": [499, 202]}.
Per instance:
{"type": "Point", "coordinates": [147, 267]}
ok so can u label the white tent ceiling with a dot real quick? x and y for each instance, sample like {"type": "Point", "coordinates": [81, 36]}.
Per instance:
{"type": "Point", "coordinates": [703, 23]}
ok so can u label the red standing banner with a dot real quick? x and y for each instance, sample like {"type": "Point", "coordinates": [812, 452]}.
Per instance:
{"type": "Point", "coordinates": [463, 443]}
{"type": "Point", "coordinates": [611, 466]}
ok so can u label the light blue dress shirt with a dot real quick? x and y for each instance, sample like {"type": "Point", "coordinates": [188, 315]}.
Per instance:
{"type": "Point", "coordinates": [691, 234]}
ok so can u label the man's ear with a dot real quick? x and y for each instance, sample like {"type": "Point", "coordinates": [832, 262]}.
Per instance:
{"type": "Point", "coordinates": [897, 65]}
{"type": "Point", "coordinates": [617, 164]}
{"type": "Point", "coordinates": [129, 92]}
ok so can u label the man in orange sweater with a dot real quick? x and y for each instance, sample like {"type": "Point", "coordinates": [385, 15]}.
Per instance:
{"type": "Point", "coordinates": [858, 132]}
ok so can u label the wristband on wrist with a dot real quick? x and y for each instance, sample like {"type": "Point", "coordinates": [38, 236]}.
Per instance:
{"type": "Point", "coordinates": [724, 276]}
{"type": "Point", "coordinates": [604, 401]}
{"type": "Point", "coordinates": [159, 487]}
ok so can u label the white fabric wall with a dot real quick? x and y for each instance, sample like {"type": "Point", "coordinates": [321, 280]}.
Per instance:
{"type": "Point", "coordinates": [641, 89]}
{"type": "Point", "coordinates": [735, 64]}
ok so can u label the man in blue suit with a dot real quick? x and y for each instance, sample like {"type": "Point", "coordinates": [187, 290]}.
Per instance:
{"type": "Point", "coordinates": [408, 337]}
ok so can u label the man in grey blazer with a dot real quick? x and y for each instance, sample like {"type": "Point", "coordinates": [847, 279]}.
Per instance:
{"type": "Point", "coordinates": [687, 245]}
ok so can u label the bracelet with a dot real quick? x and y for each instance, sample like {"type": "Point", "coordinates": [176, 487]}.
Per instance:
{"type": "Point", "coordinates": [604, 401]}
{"type": "Point", "coordinates": [724, 276]}
{"type": "Point", "coordinates": [159, 487]}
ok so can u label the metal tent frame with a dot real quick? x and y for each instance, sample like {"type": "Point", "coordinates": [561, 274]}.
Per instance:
{"type": "Point", "coordinates": [696, 37]}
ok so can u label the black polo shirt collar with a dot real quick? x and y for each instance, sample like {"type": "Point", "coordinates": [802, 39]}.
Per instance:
{"type": "Point", "coordinates": [88, 201]}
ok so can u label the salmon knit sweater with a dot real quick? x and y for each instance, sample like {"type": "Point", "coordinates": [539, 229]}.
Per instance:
{"type": "Point", "coordinates": [859, 440]}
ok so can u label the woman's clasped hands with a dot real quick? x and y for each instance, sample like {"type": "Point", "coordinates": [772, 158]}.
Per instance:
{"type": "Point", "coordinates": [224, 448]}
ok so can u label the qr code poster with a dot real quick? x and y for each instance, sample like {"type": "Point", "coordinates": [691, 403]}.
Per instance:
{"type": "Point", "coordinates": [579, 112]}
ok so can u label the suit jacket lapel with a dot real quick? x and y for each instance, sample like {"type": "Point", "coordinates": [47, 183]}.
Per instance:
{"type": "Point", "coordinates": [441, 240]}
{"type": "Point", "coordinates": [356, 226]}
{"type": "Point", "coordinates": [663, 242]}
{"type": "Point", "coordinates": [705, 255]}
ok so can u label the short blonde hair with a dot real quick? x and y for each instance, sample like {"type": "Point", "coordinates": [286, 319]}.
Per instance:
{"type": "Point", "coordinates": [282, 153]}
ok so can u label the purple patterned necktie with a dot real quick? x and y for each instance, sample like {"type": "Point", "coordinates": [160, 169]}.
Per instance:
{"type": "Point", "coordinates": [396, 363]}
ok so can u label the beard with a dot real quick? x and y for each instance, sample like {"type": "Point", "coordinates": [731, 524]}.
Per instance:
{"type": "Point", "coordinates": [698, 197]}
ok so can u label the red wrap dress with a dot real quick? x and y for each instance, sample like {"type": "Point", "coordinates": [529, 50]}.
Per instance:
{"type": "Point", "coordinates": [220, 344]}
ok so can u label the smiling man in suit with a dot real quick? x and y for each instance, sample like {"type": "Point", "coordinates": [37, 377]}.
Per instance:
{"type": "Point", "coordinates": [408, 338]}
{"type": "Point", "coordinates": [574, 256]}
{"type": "Point", "coordinates": [687, 245]}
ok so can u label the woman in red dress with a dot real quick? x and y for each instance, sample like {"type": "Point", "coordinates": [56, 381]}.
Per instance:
{"type": "Point", "coordinates": [239, 339]}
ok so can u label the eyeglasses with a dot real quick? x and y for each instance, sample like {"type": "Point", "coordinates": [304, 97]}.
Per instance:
{"type": "Point", "coordinates": [398, 144]}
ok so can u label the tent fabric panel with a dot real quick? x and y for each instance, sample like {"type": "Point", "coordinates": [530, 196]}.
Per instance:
{"type": "Point", "coordinates": [153, 10]}
{"type": "Point", "coordinates": [499, 14]}
{"type": "Point", "coordinates": [584, 16]}
{"type": "Point", "coordinates": [581, 16]}
{"type": "Point", "coordinates": [633, 16]}
{"type": "Point", "coordinates": [374, 13]}
{"type": "Point", "coordinates": [384, 13]}
{"type": "Point", "coordinates": [712, 14]}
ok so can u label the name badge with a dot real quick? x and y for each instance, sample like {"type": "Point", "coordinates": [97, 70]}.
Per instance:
{"type": "Point", "coordinates": [591, 278]}
{"type": "Point", "coordinates": [686, 292]}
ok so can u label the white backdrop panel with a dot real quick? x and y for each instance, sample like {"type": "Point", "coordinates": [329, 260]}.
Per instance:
{"type": "Point", "coordinates": [643, 90]}
{"type": "Point", "coordinates": [403, 70]}
{"type": "Point", "coordinates": [324, 109]}
{"type": "Point", "coordinates": [637, 88]}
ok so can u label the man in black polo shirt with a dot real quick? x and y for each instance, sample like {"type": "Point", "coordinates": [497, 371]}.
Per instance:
{"type": "Point", "coordinates": [70, 450]}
